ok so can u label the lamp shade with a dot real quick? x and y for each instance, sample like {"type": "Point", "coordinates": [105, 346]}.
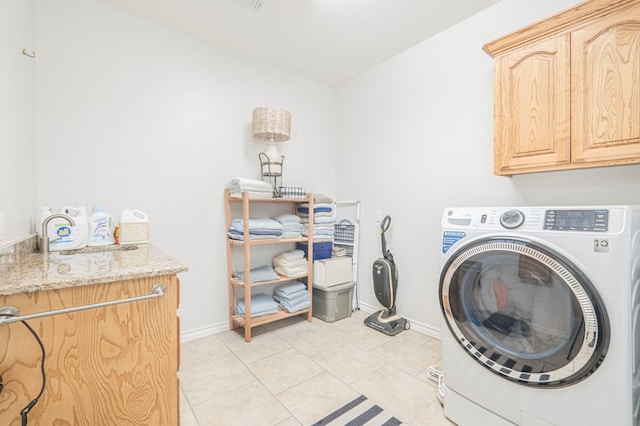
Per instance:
{"type": "Point", "coordinates": [272, 124]}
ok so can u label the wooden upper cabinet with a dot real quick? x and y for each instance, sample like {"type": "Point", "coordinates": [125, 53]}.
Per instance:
{"type": "Point", "coordinates": [567, 91]}
{"type": "Point", "coordinates": [532, 107]}
{"type": "Point", "coordinates": [606, 90]}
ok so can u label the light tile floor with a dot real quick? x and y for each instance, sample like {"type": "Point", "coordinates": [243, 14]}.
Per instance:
{"type": "Point", "coordinates": [295, 372]}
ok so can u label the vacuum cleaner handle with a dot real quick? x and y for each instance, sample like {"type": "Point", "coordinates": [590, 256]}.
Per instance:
{"type": "Point", "coordinates": [384, 226]}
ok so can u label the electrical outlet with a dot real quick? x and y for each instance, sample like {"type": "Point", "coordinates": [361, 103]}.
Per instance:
{"type": "Point", "coordinates": [1, 226]}
{"type": "Point", "coordinates": [378, 215]}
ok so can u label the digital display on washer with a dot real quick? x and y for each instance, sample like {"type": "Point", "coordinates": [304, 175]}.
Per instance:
{"type": "Point", "coordinates": [577, 220]}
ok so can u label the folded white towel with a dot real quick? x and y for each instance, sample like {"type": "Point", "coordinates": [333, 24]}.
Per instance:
{"type": "Point", "coordinates": [298, 271]}
{"type": "Point", "coordinates": [277, 261]}
{"type": "Point", "coordinates": [321, 198]}
{"type": "Point", "coordinates": [252, 194]}
{"type": "Point", "coordinates": [291, 255]}
{"type": "Point", "coordinates": [249, 185]}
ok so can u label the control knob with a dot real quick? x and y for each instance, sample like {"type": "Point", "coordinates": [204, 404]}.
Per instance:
{"type": "Point", "coordinates": [511, 219]}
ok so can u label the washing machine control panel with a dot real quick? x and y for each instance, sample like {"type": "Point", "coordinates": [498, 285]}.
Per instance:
{"type": "Point", "coordinates": [577, 220]}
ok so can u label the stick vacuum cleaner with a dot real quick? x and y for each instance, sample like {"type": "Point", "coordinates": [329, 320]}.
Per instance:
{"type": "Point", "coordinates": [385, 285]}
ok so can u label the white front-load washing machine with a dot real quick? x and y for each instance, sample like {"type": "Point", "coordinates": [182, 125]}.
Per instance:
{"type": "Point", "coordinates": [541, 315]}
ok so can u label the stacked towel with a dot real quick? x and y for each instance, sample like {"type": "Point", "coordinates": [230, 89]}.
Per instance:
{"type": "Point", "coordinates": [262, 273]}
{"type": "Point", "coordinates": [258, 229]}
{"type": "Point", "coordinates": [322, 212]}
{"type": "Point", "coordinates": [255, 188]}
{"type": "Point", "coordinates": [321, 198]}
{"type": "Point", "coordinates": [291, 226]}
{"type": "Point", "coordinates": [324, 217]}
{"type": "Point", "coordinates": [338, 251]}
{"type": "Point", "coordinates": [321, 231]}
{"type": "Point", "coordinates": [291, 263]}
{"type": "Point", "coordinates": [261, 304]}
{"type": "Point", "coordinates": [293, 297]}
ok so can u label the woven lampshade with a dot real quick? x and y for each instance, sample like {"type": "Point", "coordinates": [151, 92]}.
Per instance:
{"type": "Point", "coordinates": [272, 124]}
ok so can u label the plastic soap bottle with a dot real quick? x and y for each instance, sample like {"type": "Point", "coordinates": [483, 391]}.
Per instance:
{"type": "Point", "coordinates": [133, 227]}
{"type": "Point", "coordinates": [100, 227]}
{"type": "Point", "coordinates": [64, 236]}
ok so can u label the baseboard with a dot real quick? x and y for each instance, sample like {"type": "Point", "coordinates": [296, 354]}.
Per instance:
{"type": "Point", "coordinates": [205, 331]}
{"type": "Point", "coordinates": [212, 329]}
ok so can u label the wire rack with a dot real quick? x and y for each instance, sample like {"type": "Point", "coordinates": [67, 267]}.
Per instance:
{"type": "Point", "coordinates": [346, 233]}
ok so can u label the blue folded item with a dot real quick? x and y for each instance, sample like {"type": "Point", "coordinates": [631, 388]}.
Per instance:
{"type": "Point", "coordinates": [257, 231]}
{"type": "Point", "coordinates": [259, 223]}
{"type": "Point", "coordinates": [261, 304]}
{"type": "Point", "coordinates": [293, 298]}
{"type": "Point", "coordinates": [241, 237]}
{"type": "Point", "coordinates": [285, 218]}
{"type": "Point", "coordinates": [295, 307]}
{"type": "Point", "coordinates": [261, 273]}
{"type": "Point", "coordinates": [290, 288]}
{"type": "Point", "coordinates": [305, 210]}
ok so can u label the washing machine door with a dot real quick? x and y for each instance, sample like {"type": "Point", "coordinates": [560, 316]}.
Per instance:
{"type": "Point", "coordinates": [524, 312]}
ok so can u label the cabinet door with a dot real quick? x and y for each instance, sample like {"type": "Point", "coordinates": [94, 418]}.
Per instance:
{"type": "Point", "coordinates": [532, 107]}
{"type": "Point", "coordinates": [606, 89]}
{"type": "Point", "coordinates": [114, 365]}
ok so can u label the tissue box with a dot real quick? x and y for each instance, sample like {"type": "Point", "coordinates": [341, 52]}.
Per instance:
{"type": "Point", "coordinates": [330, 272]}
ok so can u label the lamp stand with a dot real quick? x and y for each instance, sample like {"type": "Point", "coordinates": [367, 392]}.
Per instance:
{"type": "Point", "coordinates": [271, 170]}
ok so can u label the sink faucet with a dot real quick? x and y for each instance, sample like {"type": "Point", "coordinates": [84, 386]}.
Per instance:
{"type": "Point", "coordinates": [44, 240]}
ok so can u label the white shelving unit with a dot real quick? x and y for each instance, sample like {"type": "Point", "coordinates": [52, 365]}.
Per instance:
{"type": "Point", "coordinates": [346, 234]}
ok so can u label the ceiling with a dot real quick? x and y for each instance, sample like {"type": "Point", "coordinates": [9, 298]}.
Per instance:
{"type": "Point", "coordinates": [329, 41]}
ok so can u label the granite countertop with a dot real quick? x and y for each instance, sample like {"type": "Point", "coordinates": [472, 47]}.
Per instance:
{"type": "Point", "coordinates": [93, 265]}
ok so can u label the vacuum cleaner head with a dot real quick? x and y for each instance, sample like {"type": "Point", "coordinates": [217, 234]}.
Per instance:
{"type": "Point", "coordinates": [387, 322]}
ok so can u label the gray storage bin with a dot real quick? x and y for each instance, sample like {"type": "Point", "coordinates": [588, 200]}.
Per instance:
{"type": "Point", "coordinates": [333, 303]}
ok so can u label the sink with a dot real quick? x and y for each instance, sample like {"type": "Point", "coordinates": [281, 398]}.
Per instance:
{"type": "Point", "coordinates": [112, 247]}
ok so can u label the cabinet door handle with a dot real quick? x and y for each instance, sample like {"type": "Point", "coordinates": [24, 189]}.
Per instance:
{"type": "Point", "coordinates": [10, 314]}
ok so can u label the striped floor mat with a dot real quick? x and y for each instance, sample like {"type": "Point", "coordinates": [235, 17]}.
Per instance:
{"type": "Point", "coordinates": [358, 412]}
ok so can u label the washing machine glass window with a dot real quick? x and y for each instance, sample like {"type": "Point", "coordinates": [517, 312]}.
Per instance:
{"type": "Point", "coordinates": [524, 312]}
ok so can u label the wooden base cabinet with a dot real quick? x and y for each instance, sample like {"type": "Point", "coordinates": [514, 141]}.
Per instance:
{"type": "Point", "coordinates": [114, 365]}
{"type": "Point", "coordinates": [566, 90]}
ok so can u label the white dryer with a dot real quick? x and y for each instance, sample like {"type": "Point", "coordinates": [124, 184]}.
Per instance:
{"type": "Point", "coordinates": [541, 315]}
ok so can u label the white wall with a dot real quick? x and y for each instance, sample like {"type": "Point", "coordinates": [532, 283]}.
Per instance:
{"type": "Point", "coordinates": [415, 135]}
{"type": "Point", "coordinates": [134, 114]}
{"type": "Point", "coordinates": [17, 118]}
